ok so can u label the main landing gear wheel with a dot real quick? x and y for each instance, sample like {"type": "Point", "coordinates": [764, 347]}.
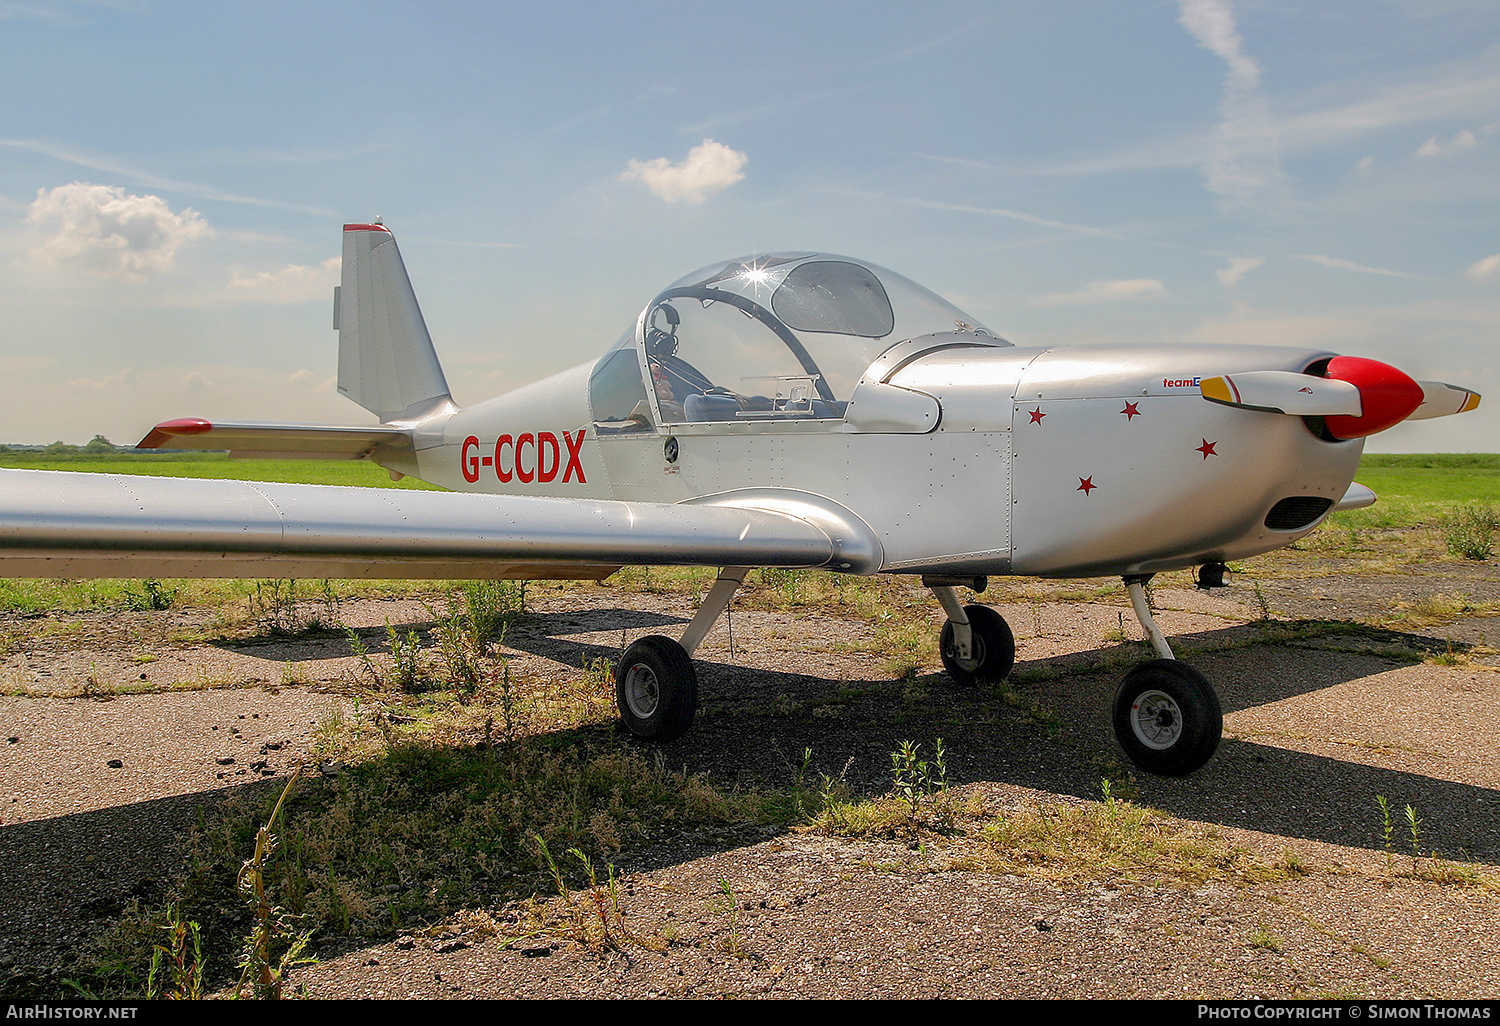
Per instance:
{"type": "Point", "coordinates": [992, 650]}
{"type": "Point", "coordinates": [1167, 717]}
{"type": "Point", "coordinates": [656, 689]}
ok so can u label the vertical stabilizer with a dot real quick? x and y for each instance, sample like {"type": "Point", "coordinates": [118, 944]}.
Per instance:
{"type": "Point", "coordinates": [386, 360]}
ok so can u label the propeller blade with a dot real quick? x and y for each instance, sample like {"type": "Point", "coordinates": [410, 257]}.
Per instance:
{"type": "Point", "coordinates": [1297, 395]}
{"type": "Point", "coordinates": [1355, 396]}
{"type": "Point", "coordinates": [1443, 400]}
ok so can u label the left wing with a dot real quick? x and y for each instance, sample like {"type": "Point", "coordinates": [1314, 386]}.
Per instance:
{"type": "Point", "coordinates": [62, 524]}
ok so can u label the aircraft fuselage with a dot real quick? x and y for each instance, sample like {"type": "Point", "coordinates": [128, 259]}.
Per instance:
{"type": "Point", "coordinates": [1068, 461]}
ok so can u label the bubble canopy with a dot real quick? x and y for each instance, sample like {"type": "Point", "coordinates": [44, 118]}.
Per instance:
{"type": "Point", "coordinates": [780, 335]}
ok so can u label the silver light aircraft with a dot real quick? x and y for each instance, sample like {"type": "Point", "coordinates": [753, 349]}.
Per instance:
{"type": "Point", "coordinates": [788, 410]}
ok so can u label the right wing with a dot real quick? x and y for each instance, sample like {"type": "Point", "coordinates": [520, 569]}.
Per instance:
{"type": "Point", "coordinates": [252, 440]}
{"type": "Point", "coordinates": [71, 525]}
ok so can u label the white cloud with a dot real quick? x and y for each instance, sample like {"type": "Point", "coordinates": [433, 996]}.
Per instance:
{"type": "Point", "coordinates": [1350, 265]}
{"type": "Point", "coordinates": [100, 229]}
{"type": "Point", "coordinates": [1105, 292]}
{"type": "Point", "coordinates": [305, 377]}
{"type": "Point", "coordinates": [294, 283]}
{"type": "Point", "coordinates": [1244, 162]}
{"type": "Point", "coordinates": [1462, 140]}
{"type": "Point", "coordinates": [1489, 267]}
{"type": "Point", "coordinates": [121, 379]}
{"type": "Point", "coordinates": [709, 168]}
{"type": "Point", "coordinates": [1238, 267]}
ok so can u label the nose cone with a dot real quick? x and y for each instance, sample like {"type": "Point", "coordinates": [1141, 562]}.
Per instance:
{"type": "Point", "coordinates": [1387, 396]}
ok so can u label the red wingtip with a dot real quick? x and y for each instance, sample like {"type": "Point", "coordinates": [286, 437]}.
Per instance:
{"type": "Point", "coordinates": [1386, 396]}
{"type": "Point", "coordinates": [367, 228]}
{"type": "Point", "coordinates": [167, 429]}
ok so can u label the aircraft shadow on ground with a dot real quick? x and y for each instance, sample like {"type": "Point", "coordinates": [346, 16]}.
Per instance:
{"type": "Point", "coordinates": [740, 736]}
{"type": "Point", "coordinates": [67, 878]}
{"type": "Point", "coordinates": [317, 644]}
{"type": "Point", "coordinates": [755, 724]}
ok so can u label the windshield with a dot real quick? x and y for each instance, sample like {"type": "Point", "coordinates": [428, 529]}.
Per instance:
{"type": "Point", "coordinates": [810, 315]}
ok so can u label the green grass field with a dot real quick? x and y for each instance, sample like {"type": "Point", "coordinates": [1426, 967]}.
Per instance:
{"type": "Point", "coordinates": [216, 464]}
{"type": "Point", "coordinates": [1443, 477]}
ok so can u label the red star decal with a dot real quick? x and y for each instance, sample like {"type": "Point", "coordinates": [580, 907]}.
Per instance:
{"type": "Point", "coordinates": [1037, 415]}
{"type": "Point", "coordinates": [1086, 484]}
{"type": "Point", "coordinates": [1131, 412]}
{"type": "Point", "coordinates": [1207, 448]}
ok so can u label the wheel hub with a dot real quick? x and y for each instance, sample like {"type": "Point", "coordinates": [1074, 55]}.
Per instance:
{"type": "Point", "coordinates": [1156, 720]}
{"type": "Point", "coordinates": [642, 692]}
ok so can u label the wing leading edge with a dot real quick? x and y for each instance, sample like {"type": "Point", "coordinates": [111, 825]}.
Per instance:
{"type": "Point", "coordinates": [60, 524]}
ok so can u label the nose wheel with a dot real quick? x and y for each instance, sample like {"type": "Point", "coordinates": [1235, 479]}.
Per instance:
{"type": "Point", "coordinates": [1167, 717]}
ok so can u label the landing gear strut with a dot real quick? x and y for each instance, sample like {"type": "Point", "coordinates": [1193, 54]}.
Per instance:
{"type": "Point", "coordinates": [1167, 715]}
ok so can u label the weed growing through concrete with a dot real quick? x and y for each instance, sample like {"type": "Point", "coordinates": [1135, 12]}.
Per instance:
{"type": "Point", "coordinates": [1469, 531]}
{"type": "Point", "coordinates": [142, 596]}
{"type": "Point", "coordinates": [274, 944]}
{"type": "Point", "coordinates": [596, 918]}
{"type": "Point", "coordinates": [915, 778]}
{"type": "Point", "coordinates": [176, 972]}
{"type": "Point", "coordinates": [407, 672]}
{"type": "Point", "coordinates": [734, 944]}
{"type": "Point", "coordinates": [1387, 830]}
{"type": "Point", "coordinates": [359, 650]}
{"type": "Point", "coordinates": [1114, 839]}
{"type": "Point", "coordinates": [1265, 939]}
{"type": "Point", "coordinates": [273, 607]}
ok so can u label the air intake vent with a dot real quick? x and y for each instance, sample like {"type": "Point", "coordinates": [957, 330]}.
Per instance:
{"type": "Point", "coordinates": [1297, 512]}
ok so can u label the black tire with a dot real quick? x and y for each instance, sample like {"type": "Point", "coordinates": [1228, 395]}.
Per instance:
{"type": "Point", "coordinates": [1167, 717]}
{"type": "Point", "coordinates": [656, 689]}
{"type": "Point", "coordinates": [993, 650]}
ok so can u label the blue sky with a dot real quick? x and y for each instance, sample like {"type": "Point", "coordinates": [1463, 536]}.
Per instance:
{"type": "Point", "coordinates": [173, 178]}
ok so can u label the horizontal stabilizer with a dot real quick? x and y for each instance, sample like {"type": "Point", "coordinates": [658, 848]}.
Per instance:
{"type": "Point", "coordinates": [1298, 395]}
{"type": "Point", "coordinates": [276, 441]}
{"type": "Point", "coordinates": [1443, 400]}
{"type": "Point", "coordinates": [72, 525]}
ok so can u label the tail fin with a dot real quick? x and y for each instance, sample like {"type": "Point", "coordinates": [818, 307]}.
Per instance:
{"type": "Point", "coordinates": [386, 360]}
